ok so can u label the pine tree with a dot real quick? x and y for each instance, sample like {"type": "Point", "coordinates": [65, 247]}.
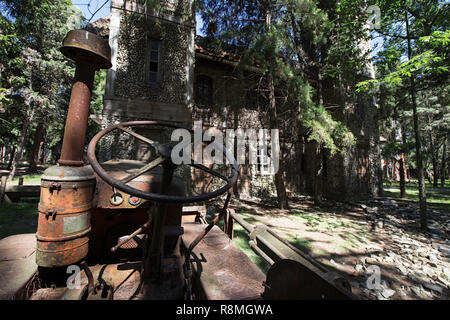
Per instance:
{"type": "Point", "coordinates": [416, 31]}
{"type": "Point", "coordinates": [41, 80]}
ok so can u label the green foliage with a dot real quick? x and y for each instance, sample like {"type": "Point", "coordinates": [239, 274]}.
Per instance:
{"type": "Point", "coordinates": [346, 58]}
{"type": "Point", "coordinates": [287, 49]}
{"type": "Point", "coordinates": [412, 69]}
{"type": "Point", "coordinates": [34, 72]}
{"type": "Point", "coordinates": [96, 102]}
{"type": "Point", "coordinates": [432, 62]}
{"type": "Point", "coordinates": [332, 134]}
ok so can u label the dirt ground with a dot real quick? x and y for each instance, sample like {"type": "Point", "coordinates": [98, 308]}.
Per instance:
{"type": "Point", "coordinates": [364, 239]}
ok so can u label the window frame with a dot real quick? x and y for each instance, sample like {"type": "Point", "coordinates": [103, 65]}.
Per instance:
{"type": "Point", "coordinates": [210, 97]}
{"type": "Point", "coordinates": [150, 50]}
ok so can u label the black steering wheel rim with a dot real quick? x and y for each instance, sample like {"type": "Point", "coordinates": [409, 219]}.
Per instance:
{"type": "Point", "coordinates": [155, 197]}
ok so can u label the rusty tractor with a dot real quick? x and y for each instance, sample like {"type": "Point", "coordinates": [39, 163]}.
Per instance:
{"type": "Point", "coordinates": [121, 229]}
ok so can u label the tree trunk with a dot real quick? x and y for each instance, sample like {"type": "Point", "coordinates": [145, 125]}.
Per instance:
{"type": "Point", "coordinates": [37, 145]}
{"type": "Point", "coordinates": [402, 175]}
{"type": "Point", "coordinates": [403, 166]}
{"type": "Point", "coordinates": [444, 158]}
{"type": "Point", "coordinates": [317, 174]}
{"type": "Point", "coordinates": [11, 157]}
{"type": "Point", "coordinates": [434, 161]}
{"type": "Point", "coordinates": [18, 154]}
{"type": "Point", "coordinates": [273, 120]}
{"type": "Point", "coordinates": [419, 162]}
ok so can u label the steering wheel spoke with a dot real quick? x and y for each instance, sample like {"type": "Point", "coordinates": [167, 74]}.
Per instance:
{"type": "Point", "coordinates": [208, 170]}
{"type": "Point", "coordinates": [143, 170]}
{"type": "Point", "coordinates": [152, 143]}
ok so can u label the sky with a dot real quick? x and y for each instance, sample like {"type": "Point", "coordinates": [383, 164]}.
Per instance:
{"type": "Point", "coordinates": [89, 8]}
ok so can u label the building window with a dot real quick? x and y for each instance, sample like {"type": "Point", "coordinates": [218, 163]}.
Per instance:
{"type": "Point", "coordinates": [154, 48]}
{"type": "Point", "coordinates": [203, 92]}
{"type": "Point", "coordinates": [264, 164]}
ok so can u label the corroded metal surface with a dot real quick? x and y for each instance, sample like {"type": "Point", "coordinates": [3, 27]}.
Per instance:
{"type": "Point", "coordinates": [110, 222]}
{"type": "Point", "coordinates": [147, 182]}
{"type": "Point", "coordinates": [85, 45]}
{"type": "Point", "coordinates": [125, 277]}
{"type": "Point", "coordinates": [90, 53]}
{"type": "Point", "coordinates": [64, 219]}
{"type": "Point", "coordinates": [63, 173]}
{"type": "Point", "coordinates": [109, 225]}
{"type": "Point", "coordinates": [77, 116]}
{"type": "Point", "coordinates": [223, 271]}
{"type": "Point", "coordinates": [17, 263]}
{"type": "Point", "coordinates": [60, 294]}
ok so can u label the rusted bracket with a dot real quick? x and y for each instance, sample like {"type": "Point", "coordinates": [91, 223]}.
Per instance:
{"type": "Point", "coordinates": [54, 186]}
{"type": "Point", "coordinates": [50, 212]}
{"type": "Point", "coordinates": [100, 290]}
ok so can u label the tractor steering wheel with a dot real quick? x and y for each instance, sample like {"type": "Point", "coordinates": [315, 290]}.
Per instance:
{"type": "Point", "coordinates": [164, 159]}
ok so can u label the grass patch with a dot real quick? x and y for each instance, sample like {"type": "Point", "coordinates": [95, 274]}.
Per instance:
{"type": "Point", "coordinates": [352, 239]}
{"type": "Point", "coordinates": [241, 240]}
{"type": "Point", "coordinates": [312, 220]}
{"type": "Point", "coordinates": [437, 197]}
{"type": "Point", "coordinates": [28, 178]}
{"type": "Point", "coordinates": [16, 218]}
{"type": "Point", "coordinates": [339, 224]}
{"type": "Point", "coordinates": [250, 219]}
{"type": "Point", "coordinates": [300, 243]}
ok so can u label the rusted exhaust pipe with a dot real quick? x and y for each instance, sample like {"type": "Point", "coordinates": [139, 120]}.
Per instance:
{"type": "Point", "coordinates": [77, 116]}
{"type": "Point", "coordinates": [91, 53]}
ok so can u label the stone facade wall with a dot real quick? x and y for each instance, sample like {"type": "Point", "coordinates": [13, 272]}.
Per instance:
{"type": "Point", "coordinates": [129, 94]}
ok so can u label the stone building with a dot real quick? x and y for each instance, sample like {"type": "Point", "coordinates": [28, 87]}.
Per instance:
{"type": "Point", "coordinates": [162, 71]}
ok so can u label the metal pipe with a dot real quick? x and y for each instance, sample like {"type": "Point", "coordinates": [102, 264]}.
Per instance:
{"type": "Point", "coordinates": [209, 227]}
{"type": "Point", "coordinates": [90, 53]}
{"type": "Point", "coordinates": [77, 115]}
{"type": "Point", "coordinates": [153, 261]}
{"type": "Point", "coordinates": [131, 236]}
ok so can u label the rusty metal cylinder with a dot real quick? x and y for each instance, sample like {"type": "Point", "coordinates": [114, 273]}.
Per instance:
{"type": "Point", "coordinates": [77, 116]}
{"type": "Point", "coordinates": [64, 219]}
